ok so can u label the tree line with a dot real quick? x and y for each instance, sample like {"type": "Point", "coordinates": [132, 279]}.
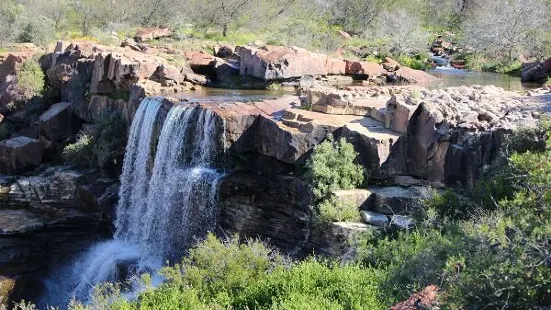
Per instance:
{"type": "Point", "coordinates": [504, 28]}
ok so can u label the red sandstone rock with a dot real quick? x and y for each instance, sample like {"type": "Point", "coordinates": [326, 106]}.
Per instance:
{"type": "Point", "coordinates": [370, 69]}
{"type": "Point", "coordinates": [280, 62]}
{"type": "Point", "coordinates": [147, 34]}
{"type": "Point", "coordinates": [408, 75]}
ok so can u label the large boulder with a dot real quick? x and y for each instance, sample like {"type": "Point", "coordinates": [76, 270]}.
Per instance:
{"type": "Point", "coordinates": [536, 71]}
{"type": "Point", "coordinates": [279, 63]}
{"type": "Point", "coordinates": [364, 68]}
{"type": "Point", "coordinates": [19, 154]}
{"type": "Point", "coordinates": [202, 63]}
{"type": "Point", "coordinates": [411, 76]}
{"type": "Point", "coordinates": [58, 122]}
{"type": "Point", "coordinates": [148, 34]}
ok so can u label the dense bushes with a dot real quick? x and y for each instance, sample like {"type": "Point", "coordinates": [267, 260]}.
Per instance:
{"type": "Point", "coordinates": [229, 275]}
{"type": "Point", "coordinates": [333, 166]}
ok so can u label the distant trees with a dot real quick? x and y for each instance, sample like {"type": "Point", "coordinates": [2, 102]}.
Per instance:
{"type": "Point", "coordinates": [401, 31]}
{"type": "Point", "coordinates": [222, 13]}
{"type": "Point", "coordinates": [506, 27]}
{"type": "Point", "coordinates": [497, 28]}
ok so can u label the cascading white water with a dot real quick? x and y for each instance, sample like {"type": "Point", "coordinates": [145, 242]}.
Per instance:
{"type": "Point", "coordinates": [165, 200]}
{"type": "Point", "coordinates": [182, 189]}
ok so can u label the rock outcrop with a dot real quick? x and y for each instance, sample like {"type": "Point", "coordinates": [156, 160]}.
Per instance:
{"type": "Point", "coordinates": [284, 63]}
{"type": "Point", "coordinates": [99, 80]}
{"type": "Point", "coordinates": [279, 62]}
{"type": "Point", "coordinates": [536, 71]}
{"type": "Point", "coordinates": [279, 209]}
{"type": "Point", "coordinates": [19, 154]}
{"type": "Point", "coordinates": [148, 34]}
{"type": "Point", "coordinates": [58, 122]}
{"type": "Point", "coordinates": [46, 218]}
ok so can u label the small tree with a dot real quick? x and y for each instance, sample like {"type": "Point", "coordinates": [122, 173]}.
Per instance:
{"type": "Point", "coordinates": [333, 166]}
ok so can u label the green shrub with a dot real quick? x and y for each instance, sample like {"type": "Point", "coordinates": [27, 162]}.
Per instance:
{"type": "Point", "coordinates": [80, 153]}
{"type": "Point", "coordinates": [334, 210]}
{"type": "Point", "coordinates": [410, 261]}
{"type": "Point", "coordinates": [30, 78]}
{"type": "Point", "coordinates": [39, 30]}
{"type": "Point", "coordinates": [333, 166]}
{"type": "Point", "coordinates": [418, 61]}
{"type": "Point", "coordinates": [232, 275]}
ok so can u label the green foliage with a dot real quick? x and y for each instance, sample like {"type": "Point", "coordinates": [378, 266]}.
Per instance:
{"type": "Point", "coordinates": [418, 61]}
{"type": "Point", "coordinates": [80, 153]}
{"type": "Point", "coordinates": [375, 59]}
{"type": "Point", "coordinates": [39, 30]}
{"type": "Point", "coordinates": [103, 150]}
{"type": "Point", "coordinates": [505, 66]}
{"type": "Point", "coordinates": [334, 210]}
{"type": "Point", "coordinates": [274, 86]}
{"type": "Point", "coordinates": [410, 261]}
{"type": "Point", "coordinates": [30, 78]}
{"type": "Point", "coordinates": [233, 275]}
{"type": "Point", "coordinates": [120, 94]}
{"type": "Point", "coordinates": [480, 62]}
{"type": "Point", "coordinates": [333, 166]}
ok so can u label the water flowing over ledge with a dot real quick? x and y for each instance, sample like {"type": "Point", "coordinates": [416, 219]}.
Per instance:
{"type": "Point", "coordinates": [167, 199]}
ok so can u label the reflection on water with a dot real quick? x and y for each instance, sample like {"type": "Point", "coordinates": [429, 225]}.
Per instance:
{"type": "Point", "coordinates": [455, 77]}
{"type": "Point", "coordinates": [229, 95]}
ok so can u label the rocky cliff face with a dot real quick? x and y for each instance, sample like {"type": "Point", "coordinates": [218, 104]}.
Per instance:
{"type": "Point", "coordinates": [410, 138]}
{"type": "Point", "coordinates": [47, 218]}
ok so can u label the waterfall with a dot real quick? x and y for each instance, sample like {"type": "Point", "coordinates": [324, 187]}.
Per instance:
{"type": "Point", "coordinates": [167, 196]}
{"type": "Point", "coordinates": [181, 193]}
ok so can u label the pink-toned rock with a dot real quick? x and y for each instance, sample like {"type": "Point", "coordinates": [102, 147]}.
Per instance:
{"type": "Point", "coordinates": [280, 62]}
{"type": "Point", "coordinates": [370, 69]}
{"type": "Point", "coordinates": [335, 66]}
{"type": "Point", "coordinates": [391, 65]}
{"type": "Point", "coordinates": [11, 63]}
{"type": "Point", "coordinates": [202, 63]}
{"type": "Point", "coordinates": [148, 34]}
{"type": "Point", "coordinates": [398, 112]}
{"type": "Point", "coordinates": [408, 75]}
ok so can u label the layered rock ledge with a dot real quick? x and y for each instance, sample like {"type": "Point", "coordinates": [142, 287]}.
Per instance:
{"type": "Point", "coordinates": [407, 137]}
